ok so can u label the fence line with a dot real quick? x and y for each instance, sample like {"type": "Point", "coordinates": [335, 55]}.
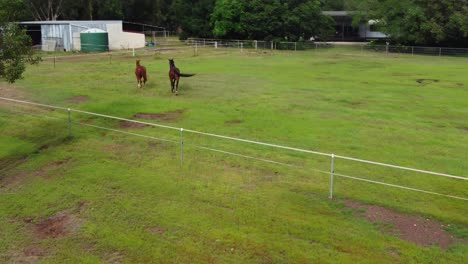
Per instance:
{"type": "Point", "coordinates": [250, 157]}
{"type": "Point", "coordinates": [332, 173]}
{"type": "Point", "coordinates": [306, 45]}
{"type": "Point", "coordinates": [400, 187]}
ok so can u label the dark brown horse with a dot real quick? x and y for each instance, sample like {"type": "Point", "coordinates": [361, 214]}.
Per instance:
{"type": "Point", "coordinates": [174, 76]}
{"type": "Point", "coordinates": [140, 73]}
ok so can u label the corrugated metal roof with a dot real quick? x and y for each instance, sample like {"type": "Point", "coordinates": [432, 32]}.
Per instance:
{"type": "Point", "coordinates": [67, 22]}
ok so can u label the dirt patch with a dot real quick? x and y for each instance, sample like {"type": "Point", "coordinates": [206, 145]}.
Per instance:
{"type": "Point", "coordinates": [131, 125]}
{"type": "Point", "coordinates": [356, 104]}
{"type": "Point", "coordinates": [113, 258]}
{"type": "Point", "coordinates": [31, 254]}
{"type": "Point", "coordinates": [418, 230]}
{"type": "Point", "coordinates": [35, 251]}
{"type": "Point", "coordinates": [78, 99]}
{"type": "Point", "coordinates": [14, 180]}
{"type": "Point", "coordinates": [157, 231]}
{"type": "Point", "coordinates": [52, 166]}
{"type": "Point", "coordinates": [425, 81]}
{"type": "Point", "coordinates": [236, 121]}
{"type": "Point", "coordinates": [463, 128]}
{"type": "Point", "coordinates": [157, 145]}
{"type": "Point", "coordinates": [11, 92]}
{"type": "Point", "coordinates": [58, 225]}
{"type": "Point", "coordinates": [353, 104]}
{"type": "Point", "coordinates": [170, 117]}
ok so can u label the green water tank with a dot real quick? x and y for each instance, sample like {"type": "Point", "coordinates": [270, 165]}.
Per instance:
{"type": "Point", "coordinates": [94, 40]}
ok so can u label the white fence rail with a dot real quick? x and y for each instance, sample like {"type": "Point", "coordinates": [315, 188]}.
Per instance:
{"type": "Point", "coordinates": [181, 142]}
{"type": "Point", "coordinates": [310, 45]}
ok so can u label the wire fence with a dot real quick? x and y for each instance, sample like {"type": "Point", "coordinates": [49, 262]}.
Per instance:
{"type": "Point", "coordinates": [178, 136]}
{"type": "Point", "coordinates": [310, 45]}
{"type": "Point", "coordinates": [56, 58]}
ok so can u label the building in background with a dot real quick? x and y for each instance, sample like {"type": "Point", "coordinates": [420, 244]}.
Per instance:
{"type": "Point", "coordinates": [65, 35]}
{"type": "Point", "coordinates": [345, 31]}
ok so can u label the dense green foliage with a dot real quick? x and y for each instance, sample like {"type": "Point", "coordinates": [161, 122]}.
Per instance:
{"type": "Point", "coordinates": [130, 201]}
{"type": "Point", "coordinates": [420, 22]}
{"type": "Point", "coordinates": [15, 44]}
{"type": "Point", "coordinates": [266, 19]}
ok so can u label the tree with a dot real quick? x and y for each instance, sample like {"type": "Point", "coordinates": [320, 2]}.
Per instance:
{"type": "Point", "coordinates": [270, 19]}
{"type": "Point", "coordinates": [226, 19]}
{"type": "Point", "coordinates": [333, 5]}
{"type": "Point", "coordinates": [15, 45]}
{"type": "Point", "coordinates": [420, 22]}
{"type": "Point", "coordinates": [191, 16]}
{"type": "Point", "coordinates": [44, 10]}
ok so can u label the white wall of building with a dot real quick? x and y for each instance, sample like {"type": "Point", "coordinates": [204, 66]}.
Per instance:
{"type": "Point", "coordinates": [118, 39]}
{"type": "Point", "coordinates": [365, 32]}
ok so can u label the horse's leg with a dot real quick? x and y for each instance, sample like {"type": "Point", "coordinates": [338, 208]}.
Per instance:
{"type": "Point", "coordinates": [172, 85]}
{"type": "Point", "coordinates": [177, 85]}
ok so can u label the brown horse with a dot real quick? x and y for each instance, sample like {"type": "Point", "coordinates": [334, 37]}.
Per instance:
{"type": "Point", "coordinates": [174, 76]}
{"type": "Point", "coordinates": [140, 73]}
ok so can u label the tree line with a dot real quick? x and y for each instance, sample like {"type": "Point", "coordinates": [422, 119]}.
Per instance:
{"type": "Point", "coordinates": [416, 22]}
{"type": "Point", "coordinates": [407, 22]}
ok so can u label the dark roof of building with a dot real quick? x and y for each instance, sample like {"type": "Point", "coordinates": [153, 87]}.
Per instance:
{"type": "Point", "coordinates": [339, 13]}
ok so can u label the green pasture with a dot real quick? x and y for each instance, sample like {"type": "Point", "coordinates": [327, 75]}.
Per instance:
{"type": "Point", "coordinates": [131, 200]}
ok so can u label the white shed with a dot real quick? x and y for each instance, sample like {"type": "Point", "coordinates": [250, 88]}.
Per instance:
{"type": "Point", "coordinates": [65, 35]}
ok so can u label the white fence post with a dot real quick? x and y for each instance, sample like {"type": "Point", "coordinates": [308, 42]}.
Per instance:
{"type": "Point", "coordinates": [216, 44]}
{"type": "Point", "coordinates": [181, 147]}
{"type": "Point", "coordinates": [295, 46]}
{"type": "Point", "coordinates": [133, 52]}
{"type": "Point", "coordinates": [332, 173]}
{"type": "Point", "coordinates": [69, 123]}
{"type": "Point", "coordinates": [242, 46]}
{"type": "Point", "coordinates": [440, 52]}
{"type": "Point", "coordinates": [256, 44]}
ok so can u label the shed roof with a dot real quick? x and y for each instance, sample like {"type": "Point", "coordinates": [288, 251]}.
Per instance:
{"type": "Point", "coordinates": [67, 22]}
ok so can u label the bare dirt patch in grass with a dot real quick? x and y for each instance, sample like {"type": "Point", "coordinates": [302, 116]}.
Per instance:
{"type": "Point", "coordinates": [463, 128]}
{"type": "Point", "coordinates": [157, 145]}
{"type": "Point", "coordinates": [169, 117]}
{"type": "Point", "coordinates": [34, 251]}
{"type": "Point", "coordinates": [131, 125]}
{"type": "Point", "coordinates": [78, 99]}
{"type": "Point", "coordinates": [426, 81]}
{"type": "Point", "coordinates": [113, 258]}
{"type": "Point", "coordinates": [11, 92]}
{"type": "Point", "coordinates": [52, 166]}
{"type": "Point", "coordinates": [29, 255]}
{"type": "Point", "coordinates": [157, 231]}
{"type": "Point", "coordinates": [233, 122]}
{"type": "Point", "coordinates": [58, 225]}
{"type": "Point", "coordinates": [415, 229]}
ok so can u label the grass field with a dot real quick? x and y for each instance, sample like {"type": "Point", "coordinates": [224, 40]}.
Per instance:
{"type": "Point", "coordinates": [117, 198]}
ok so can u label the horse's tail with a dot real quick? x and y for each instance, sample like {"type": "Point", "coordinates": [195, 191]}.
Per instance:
{"type": "Point", "coordinates": [186, 75]}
